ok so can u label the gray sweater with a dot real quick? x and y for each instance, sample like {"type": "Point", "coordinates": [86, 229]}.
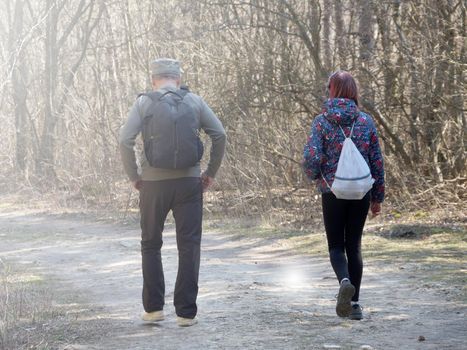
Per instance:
{"type": "Point", "coordinates": [132, 128]}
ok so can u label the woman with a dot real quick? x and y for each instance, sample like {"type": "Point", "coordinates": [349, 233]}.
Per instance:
{"type": "Point", "coordinates": [344, 219]}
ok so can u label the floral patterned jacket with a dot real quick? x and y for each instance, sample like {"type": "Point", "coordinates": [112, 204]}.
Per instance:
{"type": "Point", "coordinates": [323, 147]}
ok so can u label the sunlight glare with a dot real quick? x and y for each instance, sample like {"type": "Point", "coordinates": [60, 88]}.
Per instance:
{"type": "Point", "coordinates": [294, 278]}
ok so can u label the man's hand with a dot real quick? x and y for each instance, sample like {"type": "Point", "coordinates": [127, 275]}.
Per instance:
{"type": "Point", "coordinates": [375, 208]}
{"type": "Point", "coordinates": [138, 184]}
{"type": "Point", "coordinates": [206, 181]}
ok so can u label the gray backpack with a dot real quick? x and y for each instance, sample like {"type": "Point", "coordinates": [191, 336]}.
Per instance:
{"type": "Point", "coordinates": [171, 131]}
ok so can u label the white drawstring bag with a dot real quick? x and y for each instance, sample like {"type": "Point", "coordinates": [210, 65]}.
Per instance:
{"type": "Point", "coordinates": [353, 177]}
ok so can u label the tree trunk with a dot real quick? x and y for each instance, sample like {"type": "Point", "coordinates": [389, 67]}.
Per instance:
{"type": "Point", "coordinates": [366, 47]}
{"type": "Point", "coordinates": [341, 36]}
{"type": "Point", "coordinates": [18, 80]}
{"type": "Point", "coordinates": [459, 100]}
{"type": "Point", "coordinates": [326, 40]}
{"type": "Point", "coordinates": [45, 160]}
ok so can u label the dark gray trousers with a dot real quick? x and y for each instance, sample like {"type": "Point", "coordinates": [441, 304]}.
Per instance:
{"type": "Point", "coordinates": [184, 197]}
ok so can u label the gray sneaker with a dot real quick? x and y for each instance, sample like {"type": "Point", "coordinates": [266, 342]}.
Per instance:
{"type": "Point", "coordinates": [186, 322]}
{"type": "Point", "coordinates": [346, 292]}
{"type": "Point", "coordinates": [155, 316]}
{"type": "Point", "coordinates": [356, 313]}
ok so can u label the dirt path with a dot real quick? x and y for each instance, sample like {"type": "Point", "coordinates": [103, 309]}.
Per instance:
{"type": "Point", "coordinates": [254, 294]}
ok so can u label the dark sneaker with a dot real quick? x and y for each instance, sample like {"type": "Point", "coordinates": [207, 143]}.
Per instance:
{"type": "Point", "coordinates": [356, 313]}
{"type": "Point", "coordinates": [346, 292]}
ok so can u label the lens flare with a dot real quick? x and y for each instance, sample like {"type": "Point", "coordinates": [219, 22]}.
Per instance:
{"type": "Point", "coordinates": [294, 277]}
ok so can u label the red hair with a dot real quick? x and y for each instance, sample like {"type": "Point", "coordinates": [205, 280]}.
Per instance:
{"type": "Point", "coordinates": [341, 84]}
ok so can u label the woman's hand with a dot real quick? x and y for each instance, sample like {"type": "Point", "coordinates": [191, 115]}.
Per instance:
{"type": "Point", "coordinates": [375, 208]}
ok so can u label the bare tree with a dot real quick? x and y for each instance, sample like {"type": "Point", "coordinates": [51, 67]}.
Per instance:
{"type": "Point", "coordinates": [72, 69]}
{"type": "Point", "coordinates": [18, 82]}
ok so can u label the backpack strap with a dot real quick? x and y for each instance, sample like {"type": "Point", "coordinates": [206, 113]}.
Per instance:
{"type": "Point", "coordinates": [184, 88]}
{"type": "Point", "coordinates": [157, 95]}
{"type": "Point", "coordinates": [153, 95]}
{"type": "Point", "coordinates": [350, 136]}
{"type": "Point", "coordinates": [322, 175]}
{"type": "Point", "coordinates": [351, 130]}
{"type": "Point", "coordinates": [180, 92]}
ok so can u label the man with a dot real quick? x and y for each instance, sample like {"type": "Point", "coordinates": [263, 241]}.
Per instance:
{"type": "Point", "coordinates": [168, 187]}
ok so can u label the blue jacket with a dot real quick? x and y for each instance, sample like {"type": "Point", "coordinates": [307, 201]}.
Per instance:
{"type": "Point", "coordinates": [324, 144]}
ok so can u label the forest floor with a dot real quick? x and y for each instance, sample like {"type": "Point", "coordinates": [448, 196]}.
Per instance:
{"type": "Point", "coordinates": [72, 281]}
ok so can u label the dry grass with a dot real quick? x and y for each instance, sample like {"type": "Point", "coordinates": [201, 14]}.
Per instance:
{"type": "Point", "coordinates": [34, 317]}
{"type": "Point", "coordinates": [429, 246]}
{"type": "Point", "coordinates": [21, 306]}
{"type": "Point", "coordinates": [434, 256]}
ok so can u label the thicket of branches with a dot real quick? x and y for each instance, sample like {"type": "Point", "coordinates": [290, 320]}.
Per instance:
{"type": "Point", "coordinates": [71, 69]}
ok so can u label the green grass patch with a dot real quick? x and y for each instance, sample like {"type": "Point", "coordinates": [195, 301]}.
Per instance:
{"type": "Point", "coordinates": [437, 255]}
{"type": "Point", "coordinates": [434, 254]}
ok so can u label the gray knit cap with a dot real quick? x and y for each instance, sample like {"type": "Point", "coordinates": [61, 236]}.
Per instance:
{"type": "Point", "coordinates": [166, 66]}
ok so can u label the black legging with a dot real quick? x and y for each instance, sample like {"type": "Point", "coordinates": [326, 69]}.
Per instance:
{"type": "Point", "coordinates": [344, 221]}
